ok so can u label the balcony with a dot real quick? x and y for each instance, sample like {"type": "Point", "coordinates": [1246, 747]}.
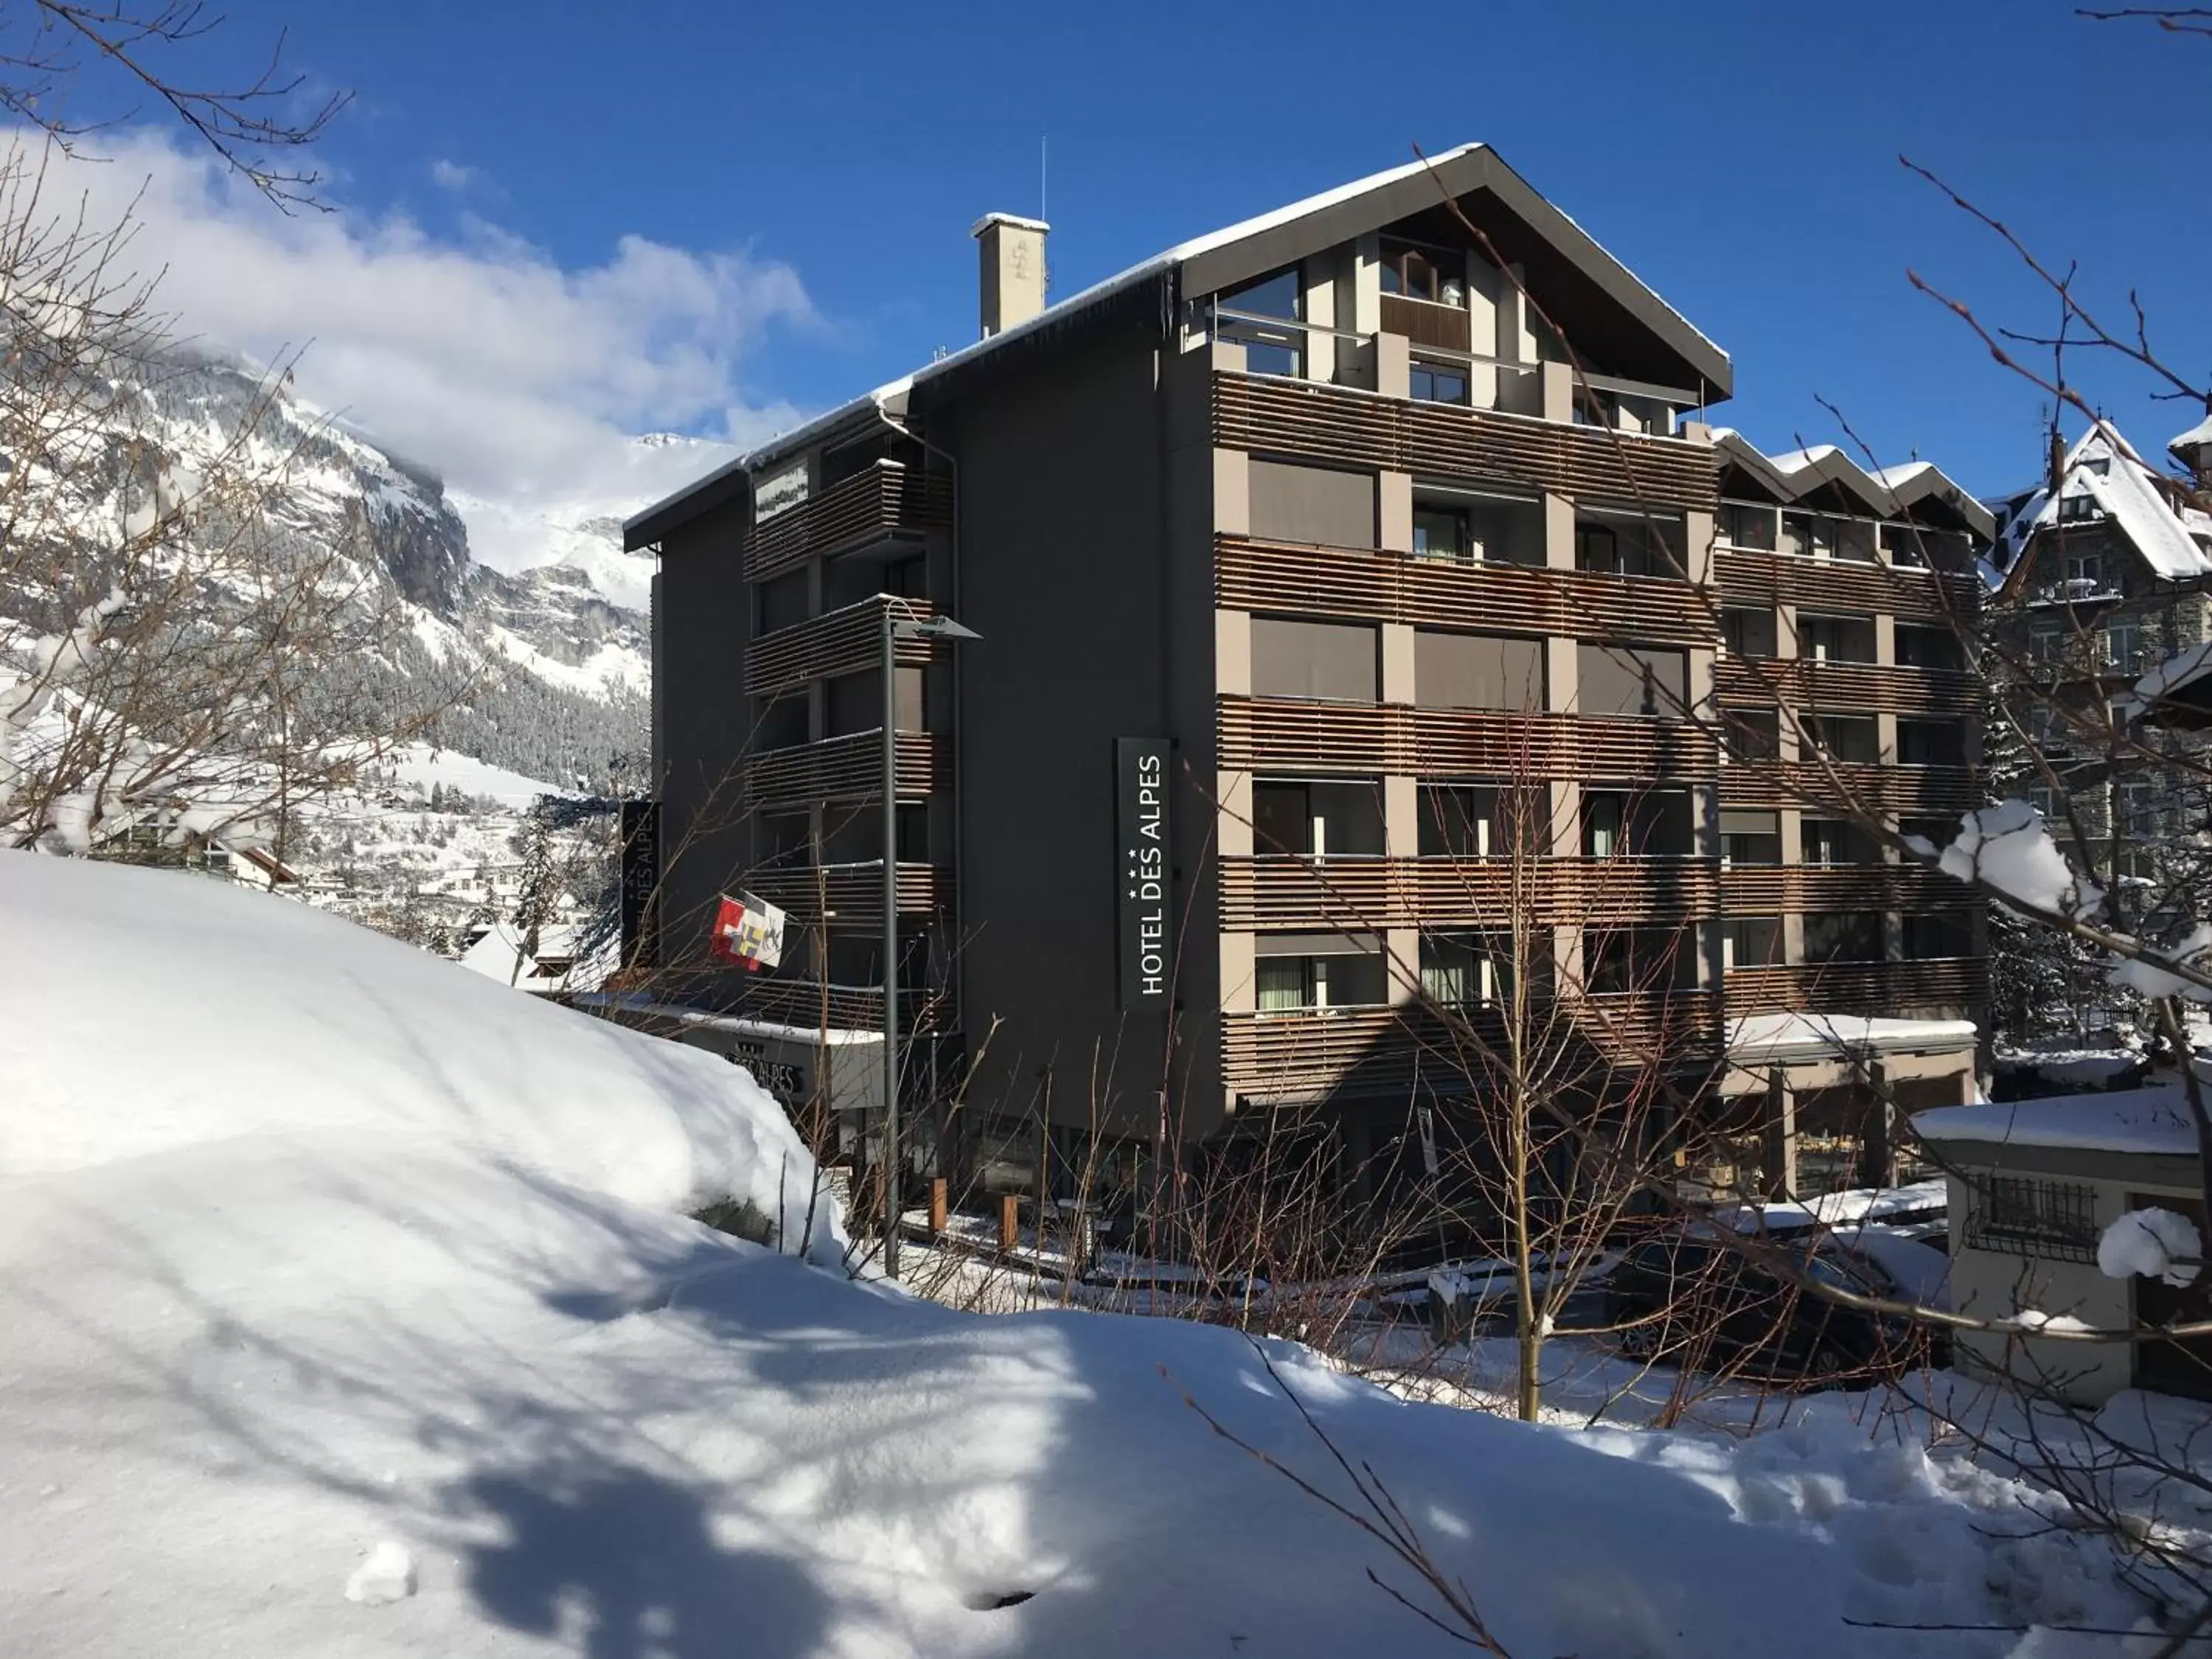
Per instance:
{"type": "Point", "coordinates": [1803, 683]}
{"type": "Point", "coordinates": [1507, 599]}
{"type": "Point", "coordinates": [1298, 738]}
{"type": "Point", "coordinates": [847, 768]}
{"type": "Point", "coordinates": [1748, 576]}
{"type": "Point", "coordinates": [1314, 1053]}
{"type": "Point", "coordinates": [1773, 890]}
{"type": "Point", "coordinates": [1858, 988]}
{"type": "Point", "coordinates": [842, 642]}
{"type": "Point", "coordinates": [1365, 893]}
{"type": "Point", "coordinates": [810, 1005]}
{"type": "Point", "coordinates": [1341, 426]}
{"type": "Point", "coordinates": [1884, 791]}
{"type": "Point", "coordinates": [887, 499]}
{"type": "Point", "coordinates": [852, 894]}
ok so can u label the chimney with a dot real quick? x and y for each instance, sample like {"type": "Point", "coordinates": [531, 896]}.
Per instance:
{"type": "Point", "coordinates": [1012, 251]}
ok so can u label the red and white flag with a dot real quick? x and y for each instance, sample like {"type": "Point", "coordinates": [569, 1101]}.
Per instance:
{"type": "Point", "coordinates": [748, 931]}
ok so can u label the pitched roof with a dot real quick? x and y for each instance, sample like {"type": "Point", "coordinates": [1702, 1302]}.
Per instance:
{"type": "Point", "coordinates": [1532, 230]}
{"type": "Point", "coordinates": [1797, 474]}
{"type": "Point", "coordinates": [2141, 503]}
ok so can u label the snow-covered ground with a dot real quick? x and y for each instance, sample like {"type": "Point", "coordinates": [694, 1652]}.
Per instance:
{"type": "Point", "coordinates": [348, 1306]}
{"type": "Point", "coordinates": [420, 768]}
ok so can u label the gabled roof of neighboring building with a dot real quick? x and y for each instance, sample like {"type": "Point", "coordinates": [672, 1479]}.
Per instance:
{"type": "Point", "coordinates": [1797, 474]}
{"type": "Point", "coordinates": [2184, 446]}
{"type": "Point", "coordinates": [1528, 231]}
{"type": "Point", "coordinates": [2144, 505]}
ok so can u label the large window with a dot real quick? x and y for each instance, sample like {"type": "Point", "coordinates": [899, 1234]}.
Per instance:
{"type": "Point", "coordinates": [1437, 383]}
{"type": "Point", "coordinates": [1931, 743]}
{"type": "Point", "coordinates": [1337, 661]}
{"type": "Point", "coordinates": [1925, 645]}
{"type": "Point", "coordinates": [1444, 533]}
{"type": "Point", "coordinates": [1478, 820]}
{"type": "Point", "coordinates": [1464, 528]}
{"type": "Point", "coordinates": [1836, 639]}
{"type": "Point", "coordinates": [1268, 350]}
{"type": "Point", "coordinates": [1286, 981]}
{"type": "Point", "coordinates": [1751, 735]}
{"type": "Point", "coordinates": [1317, 820]}
{"type": "Point", "coordinates": [1843, 936]}
{"type": "Point", "coordinates": [1468, 970]}
{"type": "Point", "coordinates": [1746, 632]}
{"type": "Point", "coordinates": [1847, 740]}
{"type": "Point", "coordinates": [1619, 960]}
{"type": "Point", "coordinates": [1423, 273]}
{"type": "Point", "coordinates": [1627, 544]}
{"type": "Point", "coordinates": [1839, 841]}
{"type": "Point", "coordinates": [1743, 525]}
{"type": "Point", "coordinates": [1750, 837]}
{"type": "Point", "coordinates": [1648, 823]}
{"type": "Point", "coordinates": [1751, 942]}
{"type": "Point", "coordinates": [1937, 935]}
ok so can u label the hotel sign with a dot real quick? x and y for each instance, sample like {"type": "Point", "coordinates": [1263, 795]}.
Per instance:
{"type": "Point", "coordinates": [779, 491]}
{"type": "Point", "coordinates": [1142, 883]}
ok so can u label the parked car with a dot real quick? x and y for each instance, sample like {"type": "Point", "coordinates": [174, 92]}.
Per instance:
{"type": "Point", "coordinates": [1687, 1297]}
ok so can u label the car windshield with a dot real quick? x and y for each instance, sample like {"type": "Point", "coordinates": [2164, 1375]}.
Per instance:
{"type": "Point", "coordinates": [1830, 1268]}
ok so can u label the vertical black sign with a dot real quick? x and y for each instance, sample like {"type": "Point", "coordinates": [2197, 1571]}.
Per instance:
{"type": "Point", "coordinates": [1141, 883]}
{"type": "Point", "coordinates": [640, 874]}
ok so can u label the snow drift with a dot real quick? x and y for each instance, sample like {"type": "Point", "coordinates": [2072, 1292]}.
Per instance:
{"type": "Point", "coordinates": [347, 1307]}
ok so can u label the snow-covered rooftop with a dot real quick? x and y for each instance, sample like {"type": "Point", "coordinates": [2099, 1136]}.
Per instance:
{"type": "Point", "coordinates": [2184, 444]}
{"type": "Point", "coordinates": [2121, 1120]}
{"type": "Point", "coordinates": [1795, 474]}
{"type": "Point", "coordinates": [2170, 536]}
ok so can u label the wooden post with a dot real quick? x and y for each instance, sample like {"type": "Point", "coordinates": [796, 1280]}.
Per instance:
{"type": "Point", "coordinates": [937, 1208]}
{"type": "Point", "coordinates": [1010, 1222]}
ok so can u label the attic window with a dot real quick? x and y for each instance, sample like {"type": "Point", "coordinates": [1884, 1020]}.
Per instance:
{"type": "Point", "coordinates": [1418, 274]}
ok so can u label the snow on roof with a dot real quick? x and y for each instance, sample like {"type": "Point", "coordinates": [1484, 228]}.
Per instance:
{"type": "Point", "coordinates": [893, 391]}
{"type": "Point", "coordinates": [2120, 1121]}
{"type": "Point", "coordinates": [2104, 467]}
{"type": "Point", "coordinates": [1767, 1037]}
{"type": "Point", "coordinates": [2181, 669]}
{"type": "Point", "coordinates": [2196, 437]}
{"type": "Point", "coordinates": [1797, 473]}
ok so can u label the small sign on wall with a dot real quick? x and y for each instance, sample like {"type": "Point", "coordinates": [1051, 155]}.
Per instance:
{"type": "Point", "coordinates": [1142, 885]}
{"type": "Point", "coordinates": [779, 491]}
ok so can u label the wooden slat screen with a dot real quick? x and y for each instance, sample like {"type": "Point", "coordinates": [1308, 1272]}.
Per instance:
{"type": "Point", "coordinates": [1803, 683]}
{"type": "Point", "coordinates": [1875, 987]}
{"type": "Point", "coordinates": [843, 768]}
{"type": "Point", "coordinates": [855, 893]}
{"type": "Point", "coordinates": [1896, 791]}
{"type": "Point", "coordinates": [1427, 325]}
{"type": "Point", "coordinates": [1272, 417]}
{"type": "Point", "coordinates": [1502, 598]}
{"type": "Point", "coordinates": [887, 498]}
{"type": "Point", "coordinates": [1358, 893]}
{"type": "Point", "coordinates": [1752, 578]}
{"type": "Point", "coordinates": [1773, 890]}
{"type": "Point", "coordinates": [1364, 739]}
{"type": "Point", "coordinates": [840, 642]}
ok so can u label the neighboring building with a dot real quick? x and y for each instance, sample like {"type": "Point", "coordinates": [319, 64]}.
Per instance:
{"type": "Point", "coordinates": [502, 952]}
{"type": "Point", "coordinates": [2032, 1187]}
{"type": "Point", "coordinates": [1316, 507]}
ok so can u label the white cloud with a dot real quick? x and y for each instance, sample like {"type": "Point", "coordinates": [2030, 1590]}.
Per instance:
{"type": "Point", "coordinates": [452, 175]}
{"type": "Point", "coordinates": [515, 377]}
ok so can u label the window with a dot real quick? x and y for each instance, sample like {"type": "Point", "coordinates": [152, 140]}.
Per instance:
{"type": "Point", "coordinates": [1480, 820]}
{"type": "Point", "coordinates": [1747, 633]}
{"type": "Point", "coordinates": [2085, 572]}
{"type": "Point", "coordinates": [1268, 350]}
{"type": "Point", "coordinates": [1420, 273]}
{"type": "Point", "coordinates": [2079, 509]}
{"type": "Point", "coordinates": [1649, 824]}
{"type": "Point", "coordinates": [1823, 532]}
{"type": "Point", "coordinates": [1317, 820]}
{"type": "Point", "coordinates": [783, 600]}
{"type": "Point", "coordinates": [1597, 548]}
{"type": "Point", "coordinates": [856, 701]}
{"type": "Point", "coordinates": [1334, 661]}
{"type": "Point", "coordinates": [1745, 526]}
{"type": "Point", "coordinates": [1921, 645]}
{"type": "Point", "coordinates": [1855, 540]}
{"type": "Point", "coordinates": [1849, 740]}
{"type": "Point", "coordinates": [1627, 544]}
{"type": "Point", "coordinates": [1436, 383]}
{"type": "Point", "coordinates": [1797, 533]}
{"type": "Point", "coordinates": [1906, 545]}
{"type": "Point", "coordinates": [1843, 936]}
{"type": "Point", "coordinates": [1839, 841]}
{"type": "Point", "coordinates": [2022, 1216]}
{"type": "Point", "coordinates": [1288, 983]}
{"type": "Point", "coordinates": [1937, 935]}
{"type": "Point", "coordinates": [1466, 970]}
{"type": "Point", "coordinates": [1601, 824]}
{"type": "Point", "coordinates": [1836, 639]}
{"type": "Point", "coordinates": [1477, 670]}
{"type": "Point", "coordinates": [1750, 837]}
{"type": "Point", "coordinates": [2138, 808]}
{"type": "Point", "coordinates": [1441, 532]}
{"type": "Point", "coordinates": [1285, 983]}
{"type": "Point", "coordinates": [1751, 735]}
{"type": "Point", "coordinates": [1619, 960]}
{"type": "Point", "coordinates": [1751, 942]}
{"type": "Point", "coordinates": [1931, 743]}
{"type": "Point", "coordinates": [1621, 679]}
{"type": "Point", "coordinates": [2124, 641]}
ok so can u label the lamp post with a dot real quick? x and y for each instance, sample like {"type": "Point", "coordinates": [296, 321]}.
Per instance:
{"type": "Point", "coordinates": [897, 628]}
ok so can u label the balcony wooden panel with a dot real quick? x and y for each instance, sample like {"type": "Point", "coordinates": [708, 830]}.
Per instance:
{"type": "Point", "coordinates": [1307, 1054]}
{"type": "Point", "coordinates": [1891, 791]}
{"type": "Point", "coordinates": [1344, 893]}
{"type": "Point", "coordinates": [1266, 416]}
{"type": "Point", "coordinates": [1748, 577]}
{"type": "Point", "coordinates": [1838, 686]}
{"type": "Point", "coordinates": [1858, 988]}
{"type": "Point", "coordinates": [885, 500]}
{"type": "Point", "coordinates": [844, 769]}
{"type": "Point", "coordinates": [1774, 890]}
{"type": "Point", "coordinates": [852, 893]}
{"type": "Point", "coordinates": [1426, 324]}
{"type": "Point", "coordinates": [809, 1005]}
{"type": "Point", "coordinates": [842, 642]}
{"type": "Point", "coordinates": [1496, 598]}
{"type": "Point", "coordinates": [1298, 736]}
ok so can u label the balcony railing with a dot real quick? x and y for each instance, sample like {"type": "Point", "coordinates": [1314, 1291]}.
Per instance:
{"type": "Point", "coordinates": [852, 894]}
{"type": "Point", "coordinates": [1278, 892]}
{"type": "Point", "coordinates": [847, 769]}
{"type": "Point", "coordinates": [1773, 890]}
{"type": "Point", "coordinates": [1367, 740]}
{"type": "Point", "coordinates": [886, 500]}
{"type": "Point", "coordinates": [1804, 683]}
{"type": "Point", "coordinates": [840, 642]}
{"type": "Point", "coordinates": [808, 1005]}
{"type": "Point", "coordinates": [1858, 988]}
{"type": "Point", "coordinates": [1507, 599]}
{"type": "Point", "coordinates": [1893, 791]}
{"type": "Point", "coordinates": [1748, 576]}
{"type": "Point", "coordinates": [1309, 1053]}
{"type": "Point", "coordinates": [1344, 426]}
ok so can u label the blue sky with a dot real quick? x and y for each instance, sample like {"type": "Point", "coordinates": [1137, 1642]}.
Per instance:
{"type": "Point", "coordinates": [1742, 158]}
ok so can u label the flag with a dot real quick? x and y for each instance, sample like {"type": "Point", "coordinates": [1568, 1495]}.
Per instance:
{"type": "Point", "coordinates": [747, 930]}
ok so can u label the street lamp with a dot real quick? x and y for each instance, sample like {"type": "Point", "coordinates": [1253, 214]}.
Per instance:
{"type": "Point", "coordinates": [897, 628]}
